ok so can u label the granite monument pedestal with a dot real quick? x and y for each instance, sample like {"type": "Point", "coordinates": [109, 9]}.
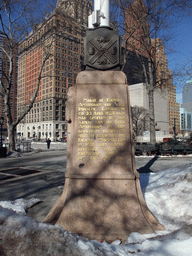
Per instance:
{"type": "Point", "coordinates": [102, 198]}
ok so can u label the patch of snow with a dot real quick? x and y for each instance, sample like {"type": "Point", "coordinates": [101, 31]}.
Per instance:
{"type": "Point", "coordinates": [168, 195]}
{"type": "Point", "coordinates": [20, 205]}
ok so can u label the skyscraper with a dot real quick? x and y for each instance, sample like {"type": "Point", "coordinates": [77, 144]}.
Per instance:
{"type": "Point", "coordinates": [164, 81]}
{"type": "Point", "coordinates": [187, 96]}
{"type": "Point", "coordinates": [65, 28]}
{"type": "Point", "coordinates": [186, 108]}
{"type": "Point", "coordinates": [140, 49]}
{"type": "Point", "coordinates": [136, 28]}
{"type": "Point", "coordinates": [78, 10]}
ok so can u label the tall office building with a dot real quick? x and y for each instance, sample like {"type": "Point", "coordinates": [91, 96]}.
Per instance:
{"type": "Point", "coordinates": [136, 28]}
{"type": "Point", "coordinates": [187, 96]}
{"type": "Point", "coordinates": [4, 70]}
{"type": "Point", "coordinates": [78, 10]}
{"type": "Point", "coordinates": [135, 43]}
{"type": "Point", "coordinates": [164, 81]}
{"type": "Point", "coordinates": [139, 97]}
{"type": "Point", "coordinates": [65, 28]}
{"type": "Point", "coordinates": [186, 121]}
{"type": "Point", "coordinates": [186, 108]}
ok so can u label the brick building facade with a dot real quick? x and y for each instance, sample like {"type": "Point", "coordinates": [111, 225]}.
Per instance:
{"type": "Point", "coordinates": [164, 81]}
{"type": "Point", "coordinates": [136, 28]}
{"type": "Point", "coordinates": [47, 117]}
{"type": "Point", "coordinates": [139, 49]}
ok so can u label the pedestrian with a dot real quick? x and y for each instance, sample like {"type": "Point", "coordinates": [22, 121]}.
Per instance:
{"type": "Point", "coordinates": [48, 143]}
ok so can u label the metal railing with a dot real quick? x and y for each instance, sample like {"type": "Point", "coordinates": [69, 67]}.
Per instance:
{"type": "Point", "coordinates": [163, 149]}
{"type": "Point", "coordinates": [23, 146]}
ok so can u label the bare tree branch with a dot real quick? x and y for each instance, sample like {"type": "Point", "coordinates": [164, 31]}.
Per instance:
{"type": "Point", "coordinates": [15, 17]}
{"type": "Point", "coordinates": [143, 21]}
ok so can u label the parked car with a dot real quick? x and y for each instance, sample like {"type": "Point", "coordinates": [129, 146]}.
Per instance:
{"type": "Point", "coordinates": [64, 139]}
{"type": "Point", "coordinates": [168, 139]}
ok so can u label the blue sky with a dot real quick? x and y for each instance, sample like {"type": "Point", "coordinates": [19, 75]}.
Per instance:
{"type": "Point", "coordinates": [182, 44]}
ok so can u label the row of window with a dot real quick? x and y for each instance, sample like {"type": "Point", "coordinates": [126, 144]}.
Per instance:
{"type": "Point", "coordinates": [46, 126]}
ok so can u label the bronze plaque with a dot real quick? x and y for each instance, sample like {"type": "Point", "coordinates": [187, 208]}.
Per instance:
{"type": "Point", "coordinates": [100, 138]}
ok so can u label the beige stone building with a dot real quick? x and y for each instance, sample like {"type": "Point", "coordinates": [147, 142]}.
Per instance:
{"type": "Point", "coordinates": [64, 30]}
{"type": "Point", "coordinates": [164, 81]}
{"type": "Point", "coordinates": [139, 97]}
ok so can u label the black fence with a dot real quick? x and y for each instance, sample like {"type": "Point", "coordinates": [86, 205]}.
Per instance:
{"type": "Point", "coordinates": [163, 149]}
{"type": "Point", "coordinates": [24, 146]}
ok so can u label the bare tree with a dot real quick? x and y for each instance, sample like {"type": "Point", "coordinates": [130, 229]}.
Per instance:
{"type": "Point", "coordinates": [16, 18]}
{"type": "Point", "coordinates": [183, 73]}
{"type": "Point", "coordinates": [142, 22]}
{"type": "Point", "coordinates": [140, 119]}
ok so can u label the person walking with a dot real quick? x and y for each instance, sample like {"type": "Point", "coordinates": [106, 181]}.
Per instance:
{"type": "Point", "coordinates": [48, 143]}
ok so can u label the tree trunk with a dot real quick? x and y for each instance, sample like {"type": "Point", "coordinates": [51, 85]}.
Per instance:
{"type": "Point", "coordinates": [11, 136]}
{"type": "Point", "coordinates": [152, 116]}
{"type": "Point", "coordinates": [151, 87]}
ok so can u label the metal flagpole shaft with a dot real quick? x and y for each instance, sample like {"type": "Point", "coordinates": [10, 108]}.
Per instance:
{"type": "Point", "coordinates": [104, 13]}
{"type": "Point", "coordinates": [96, 5]}
{"type": "Point", "coordinates": [100, 15]}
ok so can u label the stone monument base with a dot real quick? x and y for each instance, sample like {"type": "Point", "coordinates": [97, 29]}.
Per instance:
{"type": "Point", "coordinates": [102, 198]}
{"type": "Point", "coordinates": [103, 209]}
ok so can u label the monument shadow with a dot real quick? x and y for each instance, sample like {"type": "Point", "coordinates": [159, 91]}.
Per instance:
{"type": "Point", "coordinates": [145, 170]}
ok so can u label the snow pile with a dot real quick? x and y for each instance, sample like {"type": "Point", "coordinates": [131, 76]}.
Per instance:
{"type": "Point", "coordinates": [20, 205]}
{"type": "Point", "coordinates": [168, 195]}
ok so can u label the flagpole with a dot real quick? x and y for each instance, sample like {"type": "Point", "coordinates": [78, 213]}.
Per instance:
{"type": "Point", "coordinates": [100, 15]}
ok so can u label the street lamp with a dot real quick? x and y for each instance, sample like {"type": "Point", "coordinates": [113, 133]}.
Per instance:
{"type": "Point", "coordinates": [1, 122]}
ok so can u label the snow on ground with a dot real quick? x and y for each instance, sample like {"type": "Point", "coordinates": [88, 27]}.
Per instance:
{"type": "Point", "coordinates": [168, 195]}
{"type": "Point", "coordinates": [20, 205]}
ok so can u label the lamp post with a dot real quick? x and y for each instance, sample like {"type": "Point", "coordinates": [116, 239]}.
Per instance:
{"type": "Point", "coordinates": [1, 122]}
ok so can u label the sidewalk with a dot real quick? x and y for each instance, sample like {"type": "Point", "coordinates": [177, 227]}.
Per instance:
{"type": "Point", "coordinates": [45, 184]}
{"type": "Point", "coordinates": [53, 145]}
{"type": "Point", "coordinates": [48, 184]}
